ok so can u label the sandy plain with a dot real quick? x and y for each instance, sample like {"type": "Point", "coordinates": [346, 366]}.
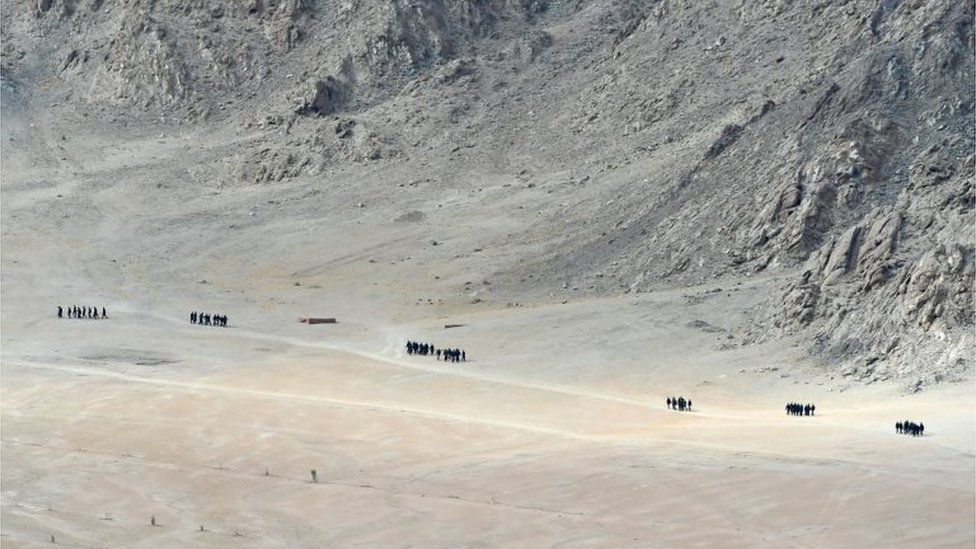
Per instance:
{"type": "Point", "coordinates": [553, 434]}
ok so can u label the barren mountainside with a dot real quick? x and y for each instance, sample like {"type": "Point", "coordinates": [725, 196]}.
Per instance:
{"type": "Point", "coordinates": [660, 143]}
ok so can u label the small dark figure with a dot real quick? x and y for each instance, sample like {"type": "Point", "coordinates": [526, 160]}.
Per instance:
{"type": "Point", "coordinates": [152, 520]}
{"type": "Point", "coordinates": [104, 314]}
{"type": "Point", "coordinates": [60, 312]}
{"type": "Point", "coordinates": [898, 427]}
{"type": "Point", "coordinates": [689, 404]}
{"type": "Point", "coordinates": [921, 429]}
{"type": "Point", "coordinates": [193, 318]}
{"type": "Point", "coordinates": [806, 410]}
{"type": "Point", "coordinates": [463, 356]}
{"type": "Point", "coordinates": [669, 402]}
{"type": "Point", "coordinates": [812, 409]}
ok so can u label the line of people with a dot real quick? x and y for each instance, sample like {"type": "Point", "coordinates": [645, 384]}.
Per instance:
{"type": "Point", "coordinates": [451, 355]}
{"type": "Point", "coordinates": [81, 312]}
{"type": "Point", "coordinates": [679, 404]}
{"type": "Point", "coordinates": [428, 349]}
{"type": "Point", "coordinates": [208, 319]}
{"type": "Point", "coordinates": [417, 348]}
{"type": "Point", "coordinates": [910, 428]}
{"type": "Point", "coordinates": [797, 409]}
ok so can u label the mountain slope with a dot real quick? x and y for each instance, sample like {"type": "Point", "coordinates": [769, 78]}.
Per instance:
{"type": "Point", "coordinates": [660, 143]}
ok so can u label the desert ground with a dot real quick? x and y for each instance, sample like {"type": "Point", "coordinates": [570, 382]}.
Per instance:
{"type": "Point", "coordinates": [553, 433]}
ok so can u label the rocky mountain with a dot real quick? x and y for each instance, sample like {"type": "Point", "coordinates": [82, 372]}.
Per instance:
{"type": "Point", "coordinates": [828, 144]}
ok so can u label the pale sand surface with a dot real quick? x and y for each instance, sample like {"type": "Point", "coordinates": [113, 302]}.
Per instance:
{"type": "Point", "coordinates": [507, 450]}
{"type": "Point", "coordinates": [553, 434]}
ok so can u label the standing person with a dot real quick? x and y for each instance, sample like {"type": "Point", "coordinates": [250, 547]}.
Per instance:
{"type": "Point", "coordinates": [60, 312]}
{"type": "Point", "coordinates": [104, 314]}
{"type": "Point", "coordinates": [668, 401]}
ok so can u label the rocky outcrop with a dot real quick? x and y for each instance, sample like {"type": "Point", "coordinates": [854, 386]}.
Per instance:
{"type": "Point", "coordinates": [889, 287]}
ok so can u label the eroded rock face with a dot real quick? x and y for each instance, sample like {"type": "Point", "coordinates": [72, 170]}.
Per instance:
{"type": "Point", "coordinates": [890, 287]}
{"type": "Point", "coordinates": [187, 58]}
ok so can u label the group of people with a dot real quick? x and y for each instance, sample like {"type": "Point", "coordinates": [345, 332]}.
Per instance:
{"type": "Point", "coordinates": [910, 428]}
{"type": "Point", "coordinates": [451, 355]}
{"type": "Point", "coordinates": [416, 348]}
{"type": "Point", "coordinates": [428, 349]}
{"type": "Point", "coordinates": [679, 404]}
{"type": "Point", "coordinates": [457, 355]}
{"type": "Point", "coordinates": [208, 319]}
{"type": "Point", "coordinates": [81, 312]}
{"type": "Point", "coordinates": [797, 409]}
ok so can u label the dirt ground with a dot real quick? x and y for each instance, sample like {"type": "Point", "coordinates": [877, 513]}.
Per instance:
{"type": "Point", "coordinates": [553, 433]}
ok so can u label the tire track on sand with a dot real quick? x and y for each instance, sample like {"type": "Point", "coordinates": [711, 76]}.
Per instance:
{"type": "Point", "coordinates": [246, 333]}
{"type": "Point", "coordinates": [327, 401]}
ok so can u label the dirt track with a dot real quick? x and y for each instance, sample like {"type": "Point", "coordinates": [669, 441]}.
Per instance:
{"type": "Point", "coordinates": [409, 448]}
